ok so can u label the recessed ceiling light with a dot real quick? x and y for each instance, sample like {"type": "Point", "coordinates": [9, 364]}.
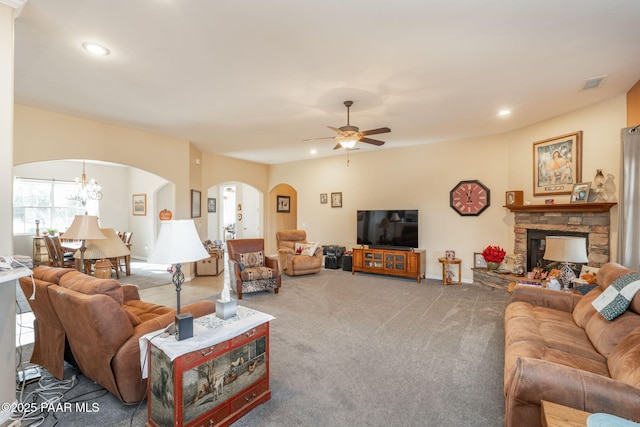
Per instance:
{"type": "Point", "coordinates": [95, 49]}
{"type": "Point", "coordinates": [313, 151]}
{"type": "Point", "coordinates": [504, 112]}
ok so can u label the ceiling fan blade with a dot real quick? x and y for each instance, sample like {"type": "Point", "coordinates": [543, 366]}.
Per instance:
{"type": "Point", "coordinates": [338, 146]}
{"type": "Point", "coordinates": [324, 137]}
{"type": "Point", "coordinates": [375, 131]}
{"type": "Point", "coordinates": [372, 141]}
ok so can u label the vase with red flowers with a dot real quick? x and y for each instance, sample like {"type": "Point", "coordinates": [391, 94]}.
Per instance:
{"type": "Point", "coordinates": [493, 255]}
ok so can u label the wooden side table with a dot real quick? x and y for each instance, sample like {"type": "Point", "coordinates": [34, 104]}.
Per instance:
{"type": "Point", "coordinates": [446, 280]}
{"type": "Point", "coordinates": [556, 415]}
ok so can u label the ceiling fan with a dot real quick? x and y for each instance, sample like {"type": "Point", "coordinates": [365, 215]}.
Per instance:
{"type": "Point", "coordinates": [348, 135]}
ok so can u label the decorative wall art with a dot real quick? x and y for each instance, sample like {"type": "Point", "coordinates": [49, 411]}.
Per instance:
{"type": "Point", "coordinates": [140, 204]}
{"type": "Point", "coordinates": [336, 200]}
{"type": "Point", "coordinates": [557, 164]}
{"type": "Point", "coordinates": [195, 204]}
{"type": "Point", "coordinates": [211, 205]}
{"type": "Point", "coordinates": [283, 204]}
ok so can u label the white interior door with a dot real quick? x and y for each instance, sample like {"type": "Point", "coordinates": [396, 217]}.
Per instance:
{"type": "Point", "coordinates": [251, 212]}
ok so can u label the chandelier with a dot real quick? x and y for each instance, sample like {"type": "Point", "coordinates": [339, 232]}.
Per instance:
{"type": "Point", "coordinates": [85, 190]}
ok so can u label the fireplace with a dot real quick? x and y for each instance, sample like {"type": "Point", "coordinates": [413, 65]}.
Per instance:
{"type": "Point", "coordinates": [536, 247]}
{"type": "Point", "coordinates": [534, 222]}
{"type": "Point", "coordinates": [590, 220]}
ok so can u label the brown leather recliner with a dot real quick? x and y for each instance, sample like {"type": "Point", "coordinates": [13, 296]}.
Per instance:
{"type": "Point", "coordinates": [50, 338]}
{"type": "Point", "coordinates": [102, 321]}
{"type": "Point", "coordinates": [249, 269]}
{"type": "Point", "coordinates": [296, 264]}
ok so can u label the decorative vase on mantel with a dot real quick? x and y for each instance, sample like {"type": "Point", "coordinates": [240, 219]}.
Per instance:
{"type": "Point", "coordinates": [493, 265]}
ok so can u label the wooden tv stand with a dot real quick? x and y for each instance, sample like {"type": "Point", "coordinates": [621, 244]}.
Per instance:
{"type": "Point", "coordinates": [393, 262]}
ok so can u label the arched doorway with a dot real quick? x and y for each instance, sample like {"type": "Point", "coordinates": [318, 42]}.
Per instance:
{"type": "Point", "coordinates": [238, 212]}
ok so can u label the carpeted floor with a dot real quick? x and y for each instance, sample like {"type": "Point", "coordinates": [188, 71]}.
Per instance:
{"type": "Point", "coordinates": [365, 350]}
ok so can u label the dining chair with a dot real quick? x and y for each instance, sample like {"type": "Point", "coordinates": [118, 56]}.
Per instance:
{"type": "Point", "coordinates": [51, 250]}
{"type": "Point", "coordinates": [125, 261]}
{"type": "Point", "coordinates": [64, 259]}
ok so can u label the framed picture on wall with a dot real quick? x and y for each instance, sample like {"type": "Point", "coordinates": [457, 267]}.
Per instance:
{"type": "Point", "coordinates": [557, 164]}
{"type": "Point", "coordinates": [211, 205]}
{"type": "Point", "coordinates": [140, 204]}
{"type": "Point", "coordinates": [336, 200]}
{"type": "Point", "coordinates": [283, 204]}
{"type": "Point", "coordinates": [195, 204]}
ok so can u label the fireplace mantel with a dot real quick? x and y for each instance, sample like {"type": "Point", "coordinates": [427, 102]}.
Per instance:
{"type": "Point", "coordinates": [566, 207]}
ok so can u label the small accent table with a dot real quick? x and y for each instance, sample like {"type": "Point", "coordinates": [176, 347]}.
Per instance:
{"type": "Point", "coordinates": [556, 415]}
{"type": "Point", "coordinates": [446, 278]}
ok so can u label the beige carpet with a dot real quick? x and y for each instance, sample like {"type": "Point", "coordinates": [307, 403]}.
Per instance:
{"type": "Point", "coordinates": [364, 350]}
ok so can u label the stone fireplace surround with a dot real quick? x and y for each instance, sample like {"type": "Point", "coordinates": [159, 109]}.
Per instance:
{"type": "Point", "coordinates": [592, 219]}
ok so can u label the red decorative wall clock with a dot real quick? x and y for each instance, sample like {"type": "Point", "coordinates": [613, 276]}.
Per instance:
{"type": "Point", "coordinates": [470, 198]}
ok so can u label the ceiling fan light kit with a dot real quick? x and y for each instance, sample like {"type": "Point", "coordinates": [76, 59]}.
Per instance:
{"type": "Point", "coordinates": [348, 135]}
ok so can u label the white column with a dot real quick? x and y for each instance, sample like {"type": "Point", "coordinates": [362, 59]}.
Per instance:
{"type": "Point", "coordinates": [7, 289]}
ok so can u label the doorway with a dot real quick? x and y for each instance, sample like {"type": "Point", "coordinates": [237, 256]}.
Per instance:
{"type": "Point", "coordinates": [242, 211]}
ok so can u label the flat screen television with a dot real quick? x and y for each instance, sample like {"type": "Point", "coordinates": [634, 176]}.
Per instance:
{"type": "Point", "coordinates": [397, 229]}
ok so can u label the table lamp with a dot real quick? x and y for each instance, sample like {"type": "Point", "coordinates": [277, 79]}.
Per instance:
{"type": "Point", "coordinates": [84, 227]}
{"type": "Point", "coordinates": [178, 242]}
{"type": "Point", "coordinates": [567, 250]}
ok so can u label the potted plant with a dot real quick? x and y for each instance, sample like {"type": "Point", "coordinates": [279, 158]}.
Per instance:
{"type": "Point", "coordinates": [493, 255]}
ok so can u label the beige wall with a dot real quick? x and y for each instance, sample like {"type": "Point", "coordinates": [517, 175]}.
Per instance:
{"type": "Point", "coordinates": [422, 177]}
{"type": "Point", "coordinates": [600, 124]}
{"type": "Point", "coordinates": [7, 289]}
{"type": "Point", "coordinates": [219, 169]}
{"type": "Point", "coordinates": [43, 135]}
{"type": "Point", "coordinates": [405, 178]}
{"type": "Point", "coordinates": [282, 220]}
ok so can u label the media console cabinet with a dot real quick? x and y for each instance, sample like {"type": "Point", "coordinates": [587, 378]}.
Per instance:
{"type": "Point", "coordinates": [392, 262]}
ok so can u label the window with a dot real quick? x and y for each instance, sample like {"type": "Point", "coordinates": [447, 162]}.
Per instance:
{"type": "Point", "coordinates": [43, 200]}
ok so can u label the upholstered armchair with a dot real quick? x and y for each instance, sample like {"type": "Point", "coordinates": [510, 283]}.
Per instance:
{"type": "Point", "coordinates": [249, 269]}
{"type": "Point", "coordinates": [296, 255]}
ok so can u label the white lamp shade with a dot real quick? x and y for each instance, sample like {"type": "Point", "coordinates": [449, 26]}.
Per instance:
{"type": "Point", "coordinates": [178, 242]}
{"type": "Point", "coordinates": [84, 227]}
{"type": "Point", "coordinates": [348, 141]}
{"type": "Point", "coordinates": [566, 249]}
{"type": "Point", "coordinates": [111, 247]}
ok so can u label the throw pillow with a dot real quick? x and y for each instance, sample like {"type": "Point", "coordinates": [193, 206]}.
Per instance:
{"type": "Point", "coordinates": [306, 248]}
{"type": "Point", "coordinates": [251, 259]}
{"type": "Point", "coordinates": [616, 298]}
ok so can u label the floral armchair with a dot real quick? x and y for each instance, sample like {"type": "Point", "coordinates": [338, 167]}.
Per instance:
{"type": "Point", "coordinates": [296, 255]}
{"type": "Point", "coordinates": [249, 269]}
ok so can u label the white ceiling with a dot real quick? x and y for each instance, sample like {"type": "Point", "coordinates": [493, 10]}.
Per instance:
{"type": "Point", "coordinates": [252, 78]}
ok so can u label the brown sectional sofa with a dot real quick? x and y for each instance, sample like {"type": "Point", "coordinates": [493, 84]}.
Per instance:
{"type": "Point", "coordinates": [101, 321]}
{"type": "Point", "coordinates": [560, 349]}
